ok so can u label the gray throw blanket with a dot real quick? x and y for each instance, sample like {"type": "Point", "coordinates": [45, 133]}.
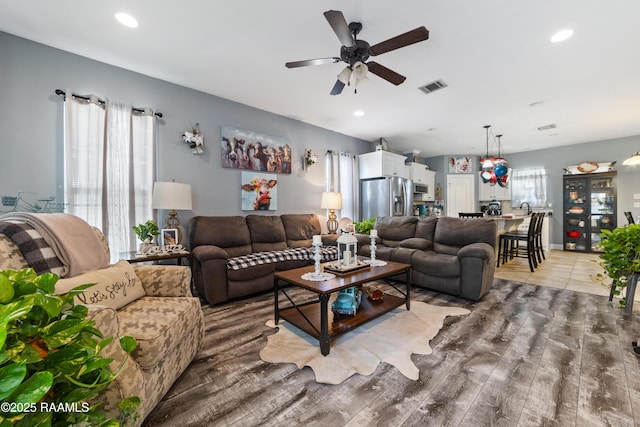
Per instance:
{"type": "Point", "coordinates": [72, 240]}
{"type": "Point", "coordinates": [34, 248]}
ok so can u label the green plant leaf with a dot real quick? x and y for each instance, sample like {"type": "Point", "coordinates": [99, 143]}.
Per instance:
{"type": "Point", "coordinates": [10, 378]}
{"type": "Point", "coordinates": [34, 388]}
{"type": "Point", "coordinates": [3, 335]}
{"type": "Point", "coordinates": [15, 310]}
{"type": "Point", "coordinates": [46, 282]}
{"type": "Point", "coordinates": [63, 331]}
{"type": "Point", "coordinates": [36, 419]}
{"type": "Point", "coordinates": [128, 343]}
{"type": "Point", "coordinates": [50, 303]}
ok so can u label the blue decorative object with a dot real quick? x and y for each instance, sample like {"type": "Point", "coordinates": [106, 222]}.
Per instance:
{"type": "Point", "coordinates": [347, 302]}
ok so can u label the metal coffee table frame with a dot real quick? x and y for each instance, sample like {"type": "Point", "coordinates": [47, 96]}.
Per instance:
{"type": "Point", "coordinates": [316, 319]}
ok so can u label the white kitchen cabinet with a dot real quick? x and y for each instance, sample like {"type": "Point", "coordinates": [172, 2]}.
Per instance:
{"type": "Point", "coordinates": [381, 163]}
{"type": "Point", "coordinates": [488, 192]}
{"type": "Point", "coordinates": [425, 179]}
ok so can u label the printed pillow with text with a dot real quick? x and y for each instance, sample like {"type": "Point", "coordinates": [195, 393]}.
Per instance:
{"type": "Point", "coordinates": [115, 286]}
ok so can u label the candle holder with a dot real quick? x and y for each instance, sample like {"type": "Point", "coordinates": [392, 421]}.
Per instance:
{"type": "Point", "coordinates": [373, 261]}
{"type": "Point", "coordinates": [317, 275]}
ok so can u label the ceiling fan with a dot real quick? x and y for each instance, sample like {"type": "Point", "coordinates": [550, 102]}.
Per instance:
{"type": "Point", "coordinates": [355, 52]}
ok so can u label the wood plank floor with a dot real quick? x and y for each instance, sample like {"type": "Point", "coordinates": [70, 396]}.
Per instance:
{"type": "Point", "coordinates": [527, 355]}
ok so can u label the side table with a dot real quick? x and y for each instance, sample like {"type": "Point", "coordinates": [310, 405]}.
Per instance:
{"type": "Point", "coordinates": [135, 257]}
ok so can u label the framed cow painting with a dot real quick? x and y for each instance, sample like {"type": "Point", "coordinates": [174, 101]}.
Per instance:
{"type": "Point", "coordinates": [246, 149]}
{"type": "Point", "coordinates": [259, 191]}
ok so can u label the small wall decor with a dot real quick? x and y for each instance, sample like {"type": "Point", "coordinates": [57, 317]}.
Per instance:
{"type": "Point", "coordinates": [245, 149]}
{"type": "Point", "coordinates": [259, 192]}
{"type": "Point", "coordinates": [194, 139]}
{"type": "Point", "coordinates": [460, 165]}
{"type": "Point", "coordinates": [589, 167]}
{"type": "Point", "coordinates": [310, 158]}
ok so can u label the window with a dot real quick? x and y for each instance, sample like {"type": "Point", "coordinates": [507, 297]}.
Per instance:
{"type": "Point", "coordinates": [109, 167]}
{"type": "Point", "coordinates": [529, 185]}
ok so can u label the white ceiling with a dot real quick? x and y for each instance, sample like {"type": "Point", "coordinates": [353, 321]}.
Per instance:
{"type": "Point", "coordinates": [495, 56]}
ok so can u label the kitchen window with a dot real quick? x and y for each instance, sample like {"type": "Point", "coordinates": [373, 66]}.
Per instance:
{"type": "Point", "coordinates": [529, 185]}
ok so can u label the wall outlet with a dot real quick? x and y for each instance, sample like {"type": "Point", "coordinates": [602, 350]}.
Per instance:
{"type": "Point", "coordinates": [636, 204]}
{"type": "Point", "coordinates": [636, 196]}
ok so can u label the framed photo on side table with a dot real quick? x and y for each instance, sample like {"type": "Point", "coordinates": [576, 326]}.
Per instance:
{"type": "Point", "coordinates": [168, 236]}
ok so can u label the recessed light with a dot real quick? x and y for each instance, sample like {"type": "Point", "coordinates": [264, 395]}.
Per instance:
{"type": "Point", "coordinates": [358, 113]}
{"type": "Point", "coordinates": [127, 20]}
{"type": "Point", "coordinates": [561, 35]}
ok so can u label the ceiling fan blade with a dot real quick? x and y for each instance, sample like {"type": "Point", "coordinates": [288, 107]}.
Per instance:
{"type": "Point", "coordinates": [317, 61]}
{"type": "Point", "coordinates": [410, 37]}
{"type": "Point", "coordinates": [340, 27]}
{"type": "Point", "coordinates": [385, 73]}
{"type": "Point", "coordinates": [337, 88]}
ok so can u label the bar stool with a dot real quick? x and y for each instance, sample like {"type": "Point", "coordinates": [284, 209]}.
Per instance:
{"type": "Point", "coordinates": [509, 244]}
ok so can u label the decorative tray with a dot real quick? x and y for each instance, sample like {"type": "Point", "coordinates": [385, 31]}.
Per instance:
{"type": "Point", "coordinates": [334, 267]}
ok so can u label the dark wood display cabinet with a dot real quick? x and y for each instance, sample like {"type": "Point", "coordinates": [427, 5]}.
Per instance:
{"type": "Point", "coordinates": [589, 208]}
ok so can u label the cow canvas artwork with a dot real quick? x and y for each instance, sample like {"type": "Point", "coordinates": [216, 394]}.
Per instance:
{"type": "Point", "coordinates": [245, 149]}
{"type": "Point", "coordinates": [259, 191]}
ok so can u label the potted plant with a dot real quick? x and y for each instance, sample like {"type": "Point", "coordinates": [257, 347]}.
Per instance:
{"type": "Point", "coordinates": [365, 226]}
{"type": "Point", "coordinates": [51, 368]}
{"type": "Point", "coordinates": [146, 232]}
{"type": "Point", "coordinates": [620, 257]}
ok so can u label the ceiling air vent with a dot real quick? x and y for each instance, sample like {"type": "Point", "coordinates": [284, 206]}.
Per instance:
{"type": "Point", "coordinates": [547, 127]}
{"type": "Point", "coordinates": [433, 86]}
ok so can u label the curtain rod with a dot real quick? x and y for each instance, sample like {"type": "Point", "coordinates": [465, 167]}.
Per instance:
{"type": "Point", "coordinates": [62, 93]}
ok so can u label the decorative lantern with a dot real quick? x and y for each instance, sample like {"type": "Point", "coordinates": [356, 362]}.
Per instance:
{"type": "Point", "coordinates": [347, 250]}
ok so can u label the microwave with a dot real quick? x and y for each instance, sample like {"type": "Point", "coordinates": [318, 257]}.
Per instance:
{"type": "Point", "coordinates": [420, 188]}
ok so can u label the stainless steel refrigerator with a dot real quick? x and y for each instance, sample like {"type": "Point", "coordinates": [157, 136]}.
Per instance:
{"type": "Point", "coordinates": [386, 196]}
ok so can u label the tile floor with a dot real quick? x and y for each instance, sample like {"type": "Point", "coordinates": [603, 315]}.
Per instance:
{"type": "Point", "coordinates": [562, 269]}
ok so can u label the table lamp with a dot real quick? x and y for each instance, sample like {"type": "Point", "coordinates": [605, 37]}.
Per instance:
{"type": "Point", "coordinates": [172, 196]}
{"type": "Point", "coordinates": [331, 200]}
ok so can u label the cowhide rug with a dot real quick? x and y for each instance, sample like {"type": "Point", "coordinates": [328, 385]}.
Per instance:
{"type": "Point", "coordinates": [391, 338]}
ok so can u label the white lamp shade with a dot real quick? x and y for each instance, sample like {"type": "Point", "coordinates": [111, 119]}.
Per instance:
{"type": "Point", "coordinates": [345, 75]}
{"type": "Point", "coordinates": [331, 200]}
{"type": "Point", "coordinates": [633, 160]}
{"type": "Point", "coordinates": [171, 195]}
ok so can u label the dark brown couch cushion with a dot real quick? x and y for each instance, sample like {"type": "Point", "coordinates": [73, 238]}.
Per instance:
{"type": "Point", "coordinates": [267, 233]}
{"type": "Point", "coordinates": [300, 229]}
{"type": "Point", "coordinates": [393, 230]}
{"type": "Point", "coordinates": [454, 233]}
{"type": "Point", "coordinates": [228, 232]}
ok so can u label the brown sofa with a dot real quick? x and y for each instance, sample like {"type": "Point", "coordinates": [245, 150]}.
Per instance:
{"type": "Point", "coordinates": [236, 256]}
{"type": "Point", "coordinates": [451, 255]}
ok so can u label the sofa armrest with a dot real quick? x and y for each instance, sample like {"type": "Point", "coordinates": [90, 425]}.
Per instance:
{"type": "Point", "coordinates": [164, 280]}
{"type": "Point", "coordinates": [416, 243]}
{"type": "Point", "coordinates": [477, 250]}
{"type": "Point", "coordinates": [209, 268]}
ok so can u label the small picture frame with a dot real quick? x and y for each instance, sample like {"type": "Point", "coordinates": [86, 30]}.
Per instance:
{"type": "Point", "coordinates": [168, 236]}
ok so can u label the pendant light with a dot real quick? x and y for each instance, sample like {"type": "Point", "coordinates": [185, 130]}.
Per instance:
{"type": "Point", "coordinates": [486, 162]}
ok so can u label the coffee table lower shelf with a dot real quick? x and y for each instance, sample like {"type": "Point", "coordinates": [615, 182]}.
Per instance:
{"type": "Point", "coordinates": [307, 317]}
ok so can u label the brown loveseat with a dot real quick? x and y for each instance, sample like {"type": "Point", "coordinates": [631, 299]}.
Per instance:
{"type": "Point", "coordinates": [451, 255]}
{"type": "Point", "coordinates": [236, 256]}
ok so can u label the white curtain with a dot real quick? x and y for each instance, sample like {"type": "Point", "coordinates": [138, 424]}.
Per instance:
{"type": "Point", "coordinates": [529, 185]}
{"type": "Point", "coordinates": [109, 168]}
{"type": "Point", "coordinates": [342, 176]}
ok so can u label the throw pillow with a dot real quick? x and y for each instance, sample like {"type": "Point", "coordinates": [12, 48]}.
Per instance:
{"type": "Point", "coordinates": [115, 286]}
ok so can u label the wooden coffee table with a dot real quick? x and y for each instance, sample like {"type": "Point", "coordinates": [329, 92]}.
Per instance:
{"type": "Point", "coordinates": [317, 319]}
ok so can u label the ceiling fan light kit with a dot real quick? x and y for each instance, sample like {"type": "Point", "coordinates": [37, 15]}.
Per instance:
{"type": "Point", "coordinates": [356, 52]}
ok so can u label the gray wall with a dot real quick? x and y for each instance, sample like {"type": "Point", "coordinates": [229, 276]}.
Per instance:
{"type": "Point", "coordinates": [31, 127]}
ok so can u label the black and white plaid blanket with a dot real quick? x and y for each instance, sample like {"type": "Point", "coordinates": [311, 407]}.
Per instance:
{"type": "Point", "coordinates": [328, 253]}
{"type": "Point", "coordinates": [35, 249]}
